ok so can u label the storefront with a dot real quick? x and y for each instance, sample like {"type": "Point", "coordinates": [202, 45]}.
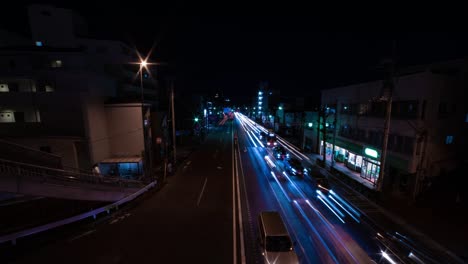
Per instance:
{"type": "Point", "coordinates": [363, 160]}
{"type": "Point", "coordinates": [370, 165]}
{"type": "Point", "coordinates": [354, 161]}
{"type": "Point", "coordinates": [370, 170]}
{"type": "Point", "coordinates": [124, 167]}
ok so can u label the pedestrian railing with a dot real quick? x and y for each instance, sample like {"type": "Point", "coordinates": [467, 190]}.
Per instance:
{"type": "Point", "coordinates": [31, 231]}
{"type": "Point", "coordinates": [22, 171]}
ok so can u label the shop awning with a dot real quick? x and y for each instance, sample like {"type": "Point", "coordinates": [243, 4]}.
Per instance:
{"type": "Point", "coordinates": [122, 160]}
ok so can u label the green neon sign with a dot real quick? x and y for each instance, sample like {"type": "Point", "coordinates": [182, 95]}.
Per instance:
{"type": "Point", "coordinates": [371, 152]}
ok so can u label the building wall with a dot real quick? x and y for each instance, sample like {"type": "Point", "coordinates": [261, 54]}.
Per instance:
{"type": "Point", "coordinates": [96, 127]}
{"type": "Point", "coordinates": [418, 140]}
{"type": "Point", "coordinates": [125, 129]}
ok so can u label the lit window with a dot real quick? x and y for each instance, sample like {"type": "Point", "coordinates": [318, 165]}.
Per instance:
{"type": "Point", "coordinates": [56, 64]}
{"type": "Point", "coordinates": [49, 88]}
{"type": "Point", "coordinates": [4, 87]}
{"type": "Point", "coordinates": [6, 117]}
{"type": "Point", "coordinates": [449, 140]}
{"type": "Point", "coordinates": [38, 43]}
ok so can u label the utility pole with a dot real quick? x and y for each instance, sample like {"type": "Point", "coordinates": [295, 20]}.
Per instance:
{"type": "Point", "coordinates": [324, 133]}
{"type": "Point", "coordinates": [141, 85]}
{"type": "Point", "coordinates": [317, 146]}
{"type": "Point", "coordinates": [334, 133]}
{"type": "Point", "coordinates": [387, 96]}
{"type": "Point", "coordinates": [173, 124]}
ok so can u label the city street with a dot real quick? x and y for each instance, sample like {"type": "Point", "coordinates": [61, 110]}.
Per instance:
{"type": "Point", "coordinates": [189, 220]}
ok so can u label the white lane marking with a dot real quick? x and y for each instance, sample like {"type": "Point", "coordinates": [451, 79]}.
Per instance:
{"type": "Point", "coordinates": [82, 235]}
{"type": "Point", "coordinates": [245, 191]}
{"type": "Point", "coordinates": [219, 168]}
{"type": "Point", "coordinates": [188, 162]}
{"type": "Point", "coordinates": [201, 193]}
{"type": "Point", "coordinates": [241, 227]}
{"type": "Point", "coordinates": [119, 218]}
{"type": "Point", "coordinates": [234, 234]}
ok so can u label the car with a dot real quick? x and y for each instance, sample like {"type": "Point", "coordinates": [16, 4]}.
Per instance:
{"type": "Point", "coordinates": [262, 136]}
{"type": "Point", "coordinates": [275, 241]}
{"type": "Point", "coordinates": [271, 140]}
{"type": "Point", "coordinates": [280, 153]}
{"type": "Point", "coordinates": [294, 167]}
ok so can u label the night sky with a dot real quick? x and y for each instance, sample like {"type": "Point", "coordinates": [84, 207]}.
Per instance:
{"type": "Point", "coordinates": [297, 49]}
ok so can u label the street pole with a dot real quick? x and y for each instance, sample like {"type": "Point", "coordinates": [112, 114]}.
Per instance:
{"type": "Point", "coordinates": [324, 133]}
{"type": "Point", "coordinates": [317, 146]}
{"type": "Point", "coordinates": [334, 134]}
{"type": "Point", "coordinates": [141, 84]}
{"type": "Point", "coordinates": [173, 123]}
{"type": "Point", "coordinates": [145, 158]}
{"type": "Point", "coordinates": [388, 92]}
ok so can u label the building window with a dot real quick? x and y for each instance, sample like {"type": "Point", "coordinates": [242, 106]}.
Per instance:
{"type": "Point", "coordinates": [7, 117]}
{"type": "Point", "coordinates": [449, 140]}
{"type": "Point", "coordinates": [44, 86]}
{"type": "Point", "coordinates": [39, 43]}
{"type": "Point", "coordinates": [45, 149]}
{"type": "Point", "coordinates": [56, 64]}
{"type": "Point", "coordinates": [4, 88]}
{"type": "Point", "coordinates": [363, 109]}
{"type": "Point", "coordinates": [49, 88]}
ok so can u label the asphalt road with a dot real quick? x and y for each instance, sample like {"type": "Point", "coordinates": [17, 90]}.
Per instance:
{"type": "Point", "coordinates": [187, 221]}
{"type": "Point", "coordinates": [320, 236]}
{"type": "Point", "coordinates": [207, 213]}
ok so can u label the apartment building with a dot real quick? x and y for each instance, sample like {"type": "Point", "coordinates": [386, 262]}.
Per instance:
{"type": "Point", "coordinates": [426, 137]}
{"type": "Point", "coordinates": [73, 96]}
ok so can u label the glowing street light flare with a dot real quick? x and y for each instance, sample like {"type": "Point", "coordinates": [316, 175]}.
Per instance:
{"type": "Point", "coordinates": [387, 257]}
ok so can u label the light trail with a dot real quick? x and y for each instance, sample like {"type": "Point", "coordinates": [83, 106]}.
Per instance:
{"type": "Point", "coordinates": [331, 197]}
{"type": "Point", "coordinates": [320, 198]}
{"type": "Point", "coordinates": [345, 203]}
{"type": "Point", "coordinates": [295, 186]}
{"type": "Point", "coordinates": [315, 231]}
{"type": "Point", "coordinates": [281, 187]}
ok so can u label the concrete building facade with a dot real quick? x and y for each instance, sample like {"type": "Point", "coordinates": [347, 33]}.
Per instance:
{"type": "Point", "coordinates": [426, 128]}
{"type": "Point", "coordinates": [57, 89]}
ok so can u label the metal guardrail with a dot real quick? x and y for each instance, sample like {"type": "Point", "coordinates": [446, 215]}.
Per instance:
{"type": "Point", "coordinates": [45, 174]}
{"type": "Point", "coordinates": [14, 236]}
